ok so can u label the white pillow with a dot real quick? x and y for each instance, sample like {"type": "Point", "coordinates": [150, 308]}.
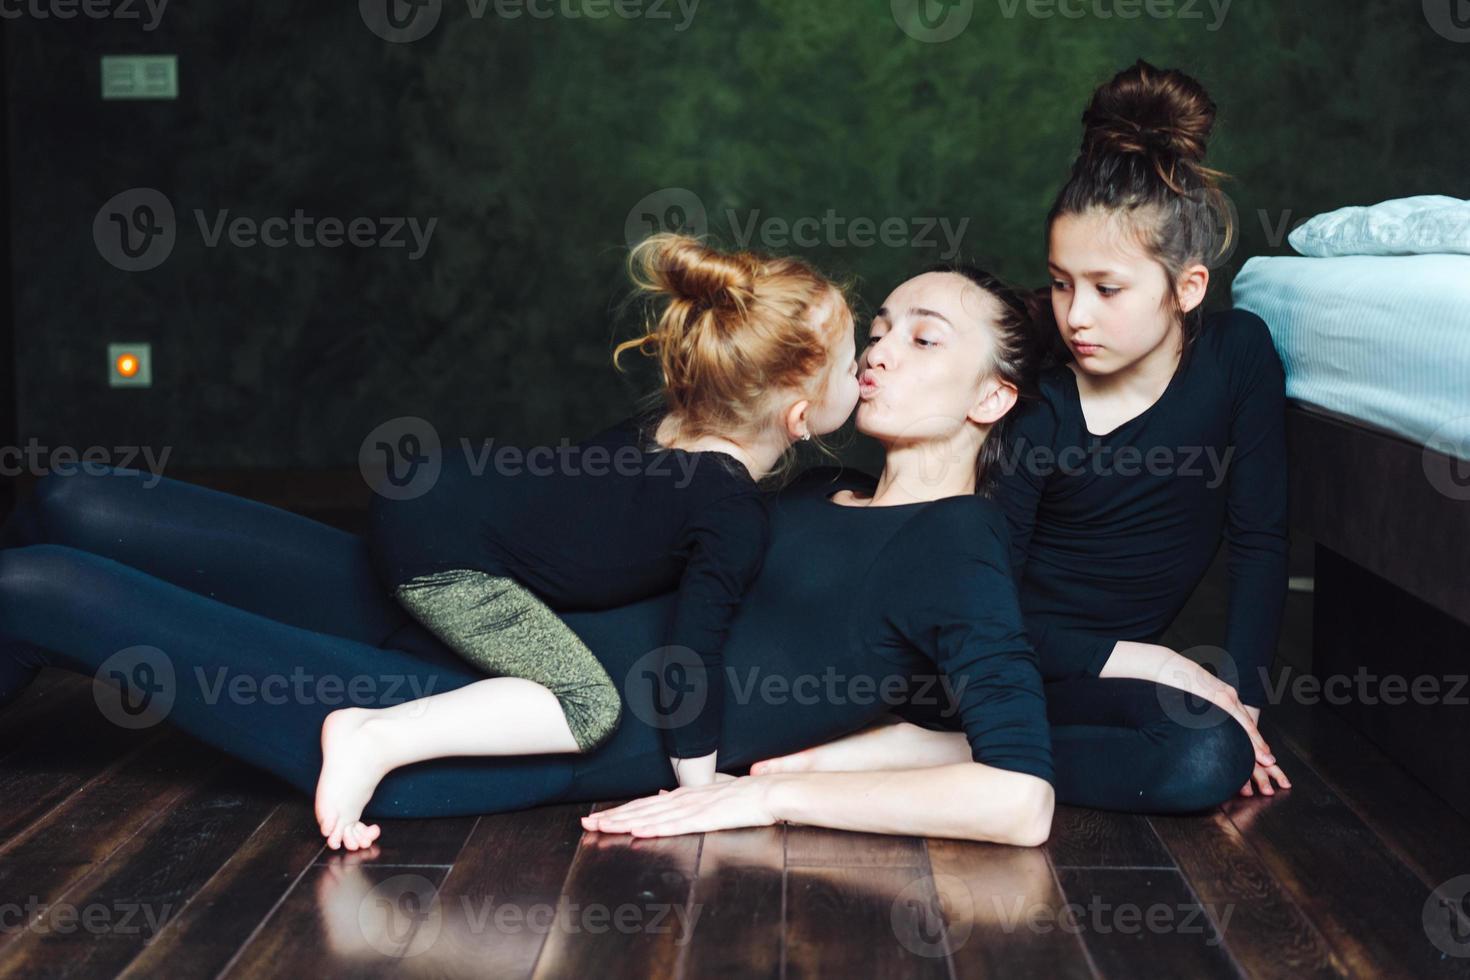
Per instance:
{"type": "Point", "coordinates": [1421, 225]}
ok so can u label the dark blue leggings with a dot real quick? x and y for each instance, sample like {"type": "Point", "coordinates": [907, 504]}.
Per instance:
{"type": "Point", "coordinates": [246, 625]}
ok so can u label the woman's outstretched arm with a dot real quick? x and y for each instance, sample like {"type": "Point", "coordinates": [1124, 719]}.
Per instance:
{"type": "Point", "coordinates": [967, 800]}
{"type": "Point", "coordinates": [889, 743]}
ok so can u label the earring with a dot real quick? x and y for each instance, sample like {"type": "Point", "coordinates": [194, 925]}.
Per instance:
{"type": "Point", "coordinates": [807, 437]}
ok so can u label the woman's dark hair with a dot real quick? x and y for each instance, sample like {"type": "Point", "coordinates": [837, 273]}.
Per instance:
{"type": "Point", "coordinates": [1016, 358]}
{"type": "Point", "coordinates": [1143, 147]}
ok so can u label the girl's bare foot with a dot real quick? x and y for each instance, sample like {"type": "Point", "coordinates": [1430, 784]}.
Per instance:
{"type": "Point", "coordinates": [352, 767]}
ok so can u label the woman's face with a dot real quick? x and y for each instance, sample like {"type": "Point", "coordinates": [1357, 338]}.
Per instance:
{"type": "Point", "coordinates": [1109, 296]}
{"type": "Point", "coordinates": [925, 369]}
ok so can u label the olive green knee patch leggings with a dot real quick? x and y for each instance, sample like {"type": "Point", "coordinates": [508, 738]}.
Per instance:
{"type": "Point", "coordinates": [502, 628]}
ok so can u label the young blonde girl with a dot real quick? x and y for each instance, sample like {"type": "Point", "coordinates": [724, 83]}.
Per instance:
{"type": "Point", "coordinates": [756, 353]}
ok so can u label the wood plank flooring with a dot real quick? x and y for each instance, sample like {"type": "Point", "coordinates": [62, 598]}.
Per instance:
{"type": "Point", "coordinates": [148, 854]}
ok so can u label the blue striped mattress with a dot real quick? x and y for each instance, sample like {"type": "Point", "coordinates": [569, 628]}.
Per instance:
{"type": "Point", "coordinates": [1382, 339]}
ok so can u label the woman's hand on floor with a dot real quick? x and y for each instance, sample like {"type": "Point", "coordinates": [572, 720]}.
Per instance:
{"type": "Point", "coordinates": [723, 805]}
{"type": "Point", "coordinates": [1263, 775]}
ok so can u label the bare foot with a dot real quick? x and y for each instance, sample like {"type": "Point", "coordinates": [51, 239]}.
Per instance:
{"type": "Point", "coordinates": [360, 835]}
{"type": "Point", "coordinates": [351, 770]}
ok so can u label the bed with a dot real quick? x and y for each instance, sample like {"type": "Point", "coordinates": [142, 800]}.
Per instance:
{"type": "Point", "coordinates": [1376, 350]}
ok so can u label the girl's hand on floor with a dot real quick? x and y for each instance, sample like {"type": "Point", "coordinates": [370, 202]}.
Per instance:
{"type": "Point", "coordinates": [1261, 778]}
{"type": "Point", "coordinates": [723, 805]}
{"type": "Point", "coordinates": [1227, 698]}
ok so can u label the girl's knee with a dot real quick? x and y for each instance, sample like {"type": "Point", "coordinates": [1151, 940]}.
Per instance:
{"type": "Point", "coordinates": [594, 714]}
{"type": "Point", "coordinates": [28, 573]}
{"type": "Point", "coordinates": [62, 501]}
{"type": "Point", "coordinates": [57, 491]}
{"type": "Point", "coordinates": [1212, 763]}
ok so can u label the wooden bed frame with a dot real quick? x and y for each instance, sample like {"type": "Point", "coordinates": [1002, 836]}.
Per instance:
{"type": "Point", "coordinates": [1392, 595]}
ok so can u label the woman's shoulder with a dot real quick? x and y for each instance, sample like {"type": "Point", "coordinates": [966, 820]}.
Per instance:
{"type": "Point", "coordinates": [969, 511]}
{"type": "Point", "coordinates": [828, 480]}
{"type": "Point", "coordinates": [943, 563]}
{"type": "Point", "coordinates": [967, 525]}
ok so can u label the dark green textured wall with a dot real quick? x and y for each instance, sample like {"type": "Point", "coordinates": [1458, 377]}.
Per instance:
{"type": "Point", "coordinates": [531, 143]}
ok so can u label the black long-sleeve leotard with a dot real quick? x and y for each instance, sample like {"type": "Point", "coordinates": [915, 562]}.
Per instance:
{"type": "Point", "coordinates": [609, 521]}
{"type": "Point", "coordinates": [857, 610]}
{"type": "Point", "coordinates": [1111, 533]}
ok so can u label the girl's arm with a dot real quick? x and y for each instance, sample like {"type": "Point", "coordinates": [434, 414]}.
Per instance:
{"type": "Point", "coordinates": [1256, 501]}
{"type": "Point", "coordinates": [696, 770]}
{"type": "Point", "coordinates": [1151, 662]}
{"type": "Point", "coordinates": [726, 544]}
{"type": "Point", "coordinates": [1161, 665]}
{"type": "Point", "coordinates": [967, 800]}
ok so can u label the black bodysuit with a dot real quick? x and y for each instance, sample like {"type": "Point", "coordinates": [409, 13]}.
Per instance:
{"type": "Point", "coordinates": [860, 609]}
{"type": "Point", "coordinates": [612, 520]}
{"type": "Point", "coordinates": [1111, 533]}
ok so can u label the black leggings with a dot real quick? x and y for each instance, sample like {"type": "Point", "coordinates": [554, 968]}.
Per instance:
{"type": "Point", "coordinates": [245, 625]}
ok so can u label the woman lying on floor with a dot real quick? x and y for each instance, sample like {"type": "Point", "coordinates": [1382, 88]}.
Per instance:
{"type": "Point", "coordinates": [1107, 546]}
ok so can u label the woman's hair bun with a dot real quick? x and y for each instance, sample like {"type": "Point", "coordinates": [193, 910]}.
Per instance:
{"type": "Point", "coordinates": [1150, 111]}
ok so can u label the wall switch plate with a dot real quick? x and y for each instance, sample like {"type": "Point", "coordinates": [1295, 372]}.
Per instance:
{"type": "Point", "coordinates": [130, 365]}
{"type": "Point", "coordinates": [142, 76]}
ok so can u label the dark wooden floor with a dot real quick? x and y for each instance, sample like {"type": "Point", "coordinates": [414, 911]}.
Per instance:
{"type": "Point", "coordinates": [145, 853]}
